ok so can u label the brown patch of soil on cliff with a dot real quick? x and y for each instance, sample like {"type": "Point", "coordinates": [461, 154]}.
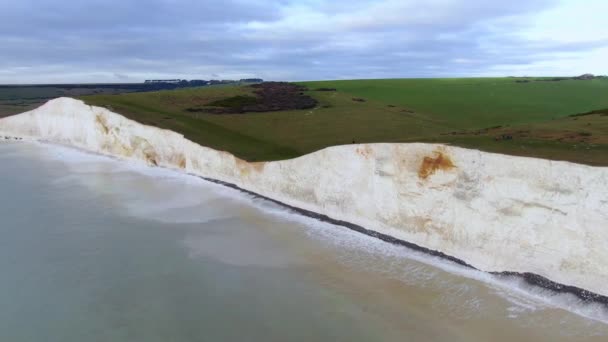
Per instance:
{"type": "Point", "coordinates": [181, 161]}
{"type": "Point", "coordinates": [101, 121]}
{"type": "Point", "coordinates": [246, 168]}
{"type": "Point", "coordinates": [258, 166]}
{"type": "Point", "coordinates": [430, 165]}
{"type": "Point", "coordinates": [364, 151]}
{"type": "Point", "coordinates": [151, 158]}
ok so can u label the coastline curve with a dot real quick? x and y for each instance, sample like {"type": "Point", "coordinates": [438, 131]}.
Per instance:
{"type": "Point", "coordinates": [541, 220]}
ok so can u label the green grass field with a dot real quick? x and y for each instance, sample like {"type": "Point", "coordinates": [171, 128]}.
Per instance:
{"type": "Point", "coordinates": [454, 111]}
{"type": "Point", "coordinates": [482, 102]}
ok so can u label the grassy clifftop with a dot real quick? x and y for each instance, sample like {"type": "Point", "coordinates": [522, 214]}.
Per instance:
{"type": "Point", "coordinates": [504, 115]}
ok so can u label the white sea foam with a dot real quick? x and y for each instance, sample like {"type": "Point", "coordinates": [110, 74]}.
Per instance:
{"type": "Point", "coordinates": [524, 297]}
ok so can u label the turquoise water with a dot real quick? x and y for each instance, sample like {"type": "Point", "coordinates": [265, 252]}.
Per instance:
{"type": "Point", "coordinates": [93, 249]}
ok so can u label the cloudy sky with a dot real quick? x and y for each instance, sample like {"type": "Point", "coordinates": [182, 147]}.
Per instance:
{"type": "Point", "coordinates": [50, 41]}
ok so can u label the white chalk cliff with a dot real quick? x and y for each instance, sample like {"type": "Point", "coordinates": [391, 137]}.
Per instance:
{"type": "Point", "coordinates": [495, 212]}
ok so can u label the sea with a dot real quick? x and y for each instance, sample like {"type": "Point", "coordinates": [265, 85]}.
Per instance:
{"type": "Point", "coordinates": [99, 249]}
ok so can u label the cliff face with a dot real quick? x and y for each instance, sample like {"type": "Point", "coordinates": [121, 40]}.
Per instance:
{"type": "Point", "coordinates": [495, 212]}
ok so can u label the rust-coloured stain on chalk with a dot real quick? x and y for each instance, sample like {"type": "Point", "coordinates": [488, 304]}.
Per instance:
{"type": "Point", "coordinates": [440, 161]}
{"type": "Point", "coordinates": [365, 151]}
{"type": "Point", "coordinates": [181, 161]}
{"type": "Point", "coordinates": [101, 121]}
{"type": "Point", "coordinates": [246, 168]}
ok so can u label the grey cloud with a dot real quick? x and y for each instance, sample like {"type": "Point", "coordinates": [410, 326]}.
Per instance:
{"type": "Point", "coordinates": [122, 76]}
{"type": "Point", "coordinates": [294, 40]}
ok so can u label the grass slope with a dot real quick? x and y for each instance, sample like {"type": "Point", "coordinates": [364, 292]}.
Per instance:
{"type": "Point", "coordinates": [481, 102]}
{"type": "Point", "coordinates": [454, 111]}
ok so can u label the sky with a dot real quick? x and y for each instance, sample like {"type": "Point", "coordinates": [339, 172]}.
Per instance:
{"type": "Point", "coordinates": [49, 41]}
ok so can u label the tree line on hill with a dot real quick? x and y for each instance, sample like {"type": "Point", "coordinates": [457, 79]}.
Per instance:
{"type": "Point", "coordinates": [584, 77]}
{"type": "Point", "coordinates": [178, 83]}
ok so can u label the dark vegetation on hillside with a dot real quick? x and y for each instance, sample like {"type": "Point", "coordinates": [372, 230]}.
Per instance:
{"type": "Point", "coordinates": [269, 97]}
{"type": "Point", "coordinates": [602, 112]}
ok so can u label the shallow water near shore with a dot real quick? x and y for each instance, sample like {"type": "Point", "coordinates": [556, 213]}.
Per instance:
{"type": "Point", "coordinates": [95, 249]}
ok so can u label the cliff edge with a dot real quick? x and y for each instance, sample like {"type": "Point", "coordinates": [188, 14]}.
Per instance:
{"type": "Point", "coordinates": [545, 219]}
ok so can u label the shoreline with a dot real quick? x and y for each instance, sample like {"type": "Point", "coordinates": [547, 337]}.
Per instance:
{"type": "Point", "coordinates": [483, 211]}
{"type": "Point", "coordinates": [530, 278]}
{"type": "Point", "coordinates": [586, 296]}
